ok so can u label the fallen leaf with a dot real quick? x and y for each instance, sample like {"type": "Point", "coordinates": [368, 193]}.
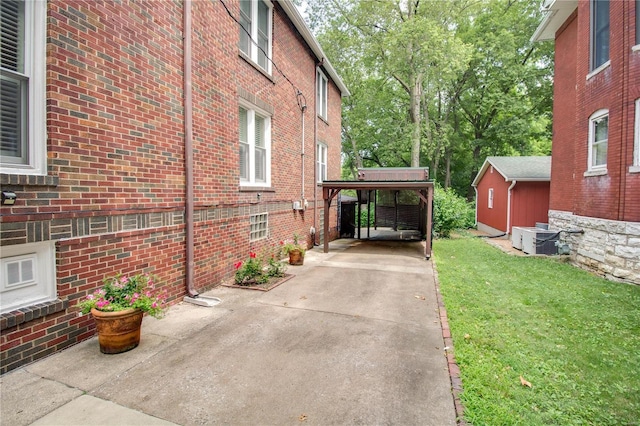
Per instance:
{"type": "Point", "coordinates": [524, 382]}
{"type": "Point", "coordinates": [302, 417]}
{"type": "Point", "coordinates": [420, 297]}
{"type": "Point", "coordinates": [285, 303]}
{"type": "Point", "coordinates": [467, 336]}
{"type": "Point", "coordinates": [303, 298]}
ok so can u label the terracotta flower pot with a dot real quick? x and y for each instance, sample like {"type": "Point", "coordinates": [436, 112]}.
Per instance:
{"type": "Point", "coordinates": [296, 257]}
{"type": "Point", "coordinates": [118, 331]}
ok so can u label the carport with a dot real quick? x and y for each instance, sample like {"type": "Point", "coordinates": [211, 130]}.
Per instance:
{"type": "Point", "coordinates": [389, 179]}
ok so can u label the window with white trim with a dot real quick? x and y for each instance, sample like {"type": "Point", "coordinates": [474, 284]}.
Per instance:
{"type": "Point", "coordinates": [598, 140]}
{"type": "Point", "coordinates": [23, 145]}
{"type": "Point", "coordinates": [599, 33]}
{"type": "Point", "coordinates": [636, 140]}
{"type": "Point", "coordinates": [28, 274]}
{"type": "Point", "coordinates": [255, 148]}
{"type": "Point", "coordinates": [259, 226]}
{"type": "Point", "coordinates": [490, 200]}
{"type": "Point", "coordinates": [255, 31]}
{"type": "Point", "coordinates": [322, 162]}
{"type": "Point", "coordinates": [322, 94]}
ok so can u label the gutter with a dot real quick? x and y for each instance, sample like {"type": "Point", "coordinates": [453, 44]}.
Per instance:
{"type": "Point", "coordinates": [292, 12]}
{"type": "Point", "coordinates": [188, 150]}
{"type": "Point", "coordinates": [513, 183]}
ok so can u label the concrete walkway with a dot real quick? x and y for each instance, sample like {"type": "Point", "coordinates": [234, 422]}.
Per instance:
{"type": "Point", "coordinates": [353, 338]}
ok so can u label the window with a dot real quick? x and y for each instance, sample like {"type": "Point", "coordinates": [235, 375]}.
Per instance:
{"type": "Point", "coordinates": [322, 95]}
{"type": "Point", "coordinates": [255, 148]}
{"type": "Point", "coordinates": [599, 33]}
{"type": "Point", "coordinates": [322, 162]}
{"type": "Point", "coordinates": [22, 87]}
{"type": "Point", "coordinates": [255, 31]}
{"type": "Point", "coordinates": [259, 226]}
{"type": "Point", "coordinates": [28, 275]}
{"type": "Point", "coordinates": [598, 140]}
{"type": "Point", "coordinates": [636, 144]}
{"type": "Point", "coordinates": [490, 201]}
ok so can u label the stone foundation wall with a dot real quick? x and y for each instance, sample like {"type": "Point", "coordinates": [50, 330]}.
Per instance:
{"type": "Point", "coordinates": [607, 247]}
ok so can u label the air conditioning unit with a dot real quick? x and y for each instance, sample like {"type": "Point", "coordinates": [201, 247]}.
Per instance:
{"type": "Point", "coordinates": [297, 205]}
{"type": "Point", "coordinates": [539, 241]}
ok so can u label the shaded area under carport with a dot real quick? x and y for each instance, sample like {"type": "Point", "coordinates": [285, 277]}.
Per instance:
{"type": "Point", "coordinates": [423, 188]}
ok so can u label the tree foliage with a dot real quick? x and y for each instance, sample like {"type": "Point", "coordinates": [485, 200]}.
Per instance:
{"type": "Point", "coordinates": [438, 83]}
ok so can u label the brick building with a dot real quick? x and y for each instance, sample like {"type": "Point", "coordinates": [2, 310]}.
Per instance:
{"type": "Point", "coordinates": [595, 174]}
{"type": "Point", "coordinates": [170, 137]}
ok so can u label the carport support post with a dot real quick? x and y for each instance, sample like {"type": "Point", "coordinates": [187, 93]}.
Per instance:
{"type": "Point", "coordinates": [427, 246]}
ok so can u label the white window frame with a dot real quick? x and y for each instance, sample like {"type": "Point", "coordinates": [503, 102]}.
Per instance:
{"type": "Point", "coordinates": [321, 165]}
{"type": "Point", "coordinates": [322, 94]}
{"type": "Point", "coordinates": [258, 226]}
{"type": "Point", "coordinates": [635, 168]}
{"type": "Point", "coordinates": [35, 160]}
{"type": "Point", "coordinates": [41, 288]}
{"type": "Point", "coordinates": [253, 50]}
{"type": "Point", "coordinates": [593, 65]}
{"type": "Point", "coordinates": [595, 117]}
{"type": "Point", "coordinates": [490, 199]}
{"type": "Point", "coordinates": [252, 112]}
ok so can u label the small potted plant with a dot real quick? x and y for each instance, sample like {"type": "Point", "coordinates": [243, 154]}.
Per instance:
{"type": "Point", "coordinates": [295, 250]}
{"type": "Point", "coordinates": [118, 307]}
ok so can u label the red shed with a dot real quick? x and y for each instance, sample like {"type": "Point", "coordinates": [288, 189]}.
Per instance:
{"type": "Point", "coordinates": [512, 191]}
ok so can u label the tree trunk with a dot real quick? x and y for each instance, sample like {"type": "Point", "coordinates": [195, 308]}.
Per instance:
{"type": "Point", "coordinates": [416, 96]}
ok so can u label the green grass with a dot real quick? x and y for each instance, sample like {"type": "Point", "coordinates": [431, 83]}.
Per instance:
{"type": "Point", "coordinates": [573, 335]}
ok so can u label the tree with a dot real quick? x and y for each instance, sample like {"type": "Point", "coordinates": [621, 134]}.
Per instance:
{"type": "Point", "coordinates": [438, 83]}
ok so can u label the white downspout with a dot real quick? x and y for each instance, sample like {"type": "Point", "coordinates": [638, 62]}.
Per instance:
{"type": "Point", "coordinates": [508, 231]}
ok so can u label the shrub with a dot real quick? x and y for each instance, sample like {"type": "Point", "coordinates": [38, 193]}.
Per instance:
{"type": "Point", "coordinates": [450, 212]}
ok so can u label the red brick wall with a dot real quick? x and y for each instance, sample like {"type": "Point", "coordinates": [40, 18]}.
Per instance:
{"type": "Point", "coordinates": [614, 195]}
{"type": "Point", "coordinates": [563, 149]}
{"type": "Point", "coordinates": [497, 216]}
{"type": "Point", "coordinates": [115, 195]}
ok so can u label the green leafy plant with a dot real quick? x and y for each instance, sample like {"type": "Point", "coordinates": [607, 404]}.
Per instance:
{"type": "Point", "coordinates": [122, 292]}
{"type": "Point", "coordinates": [450, 212]}
{"type": "Point", "coordinates": [254, 270]}
{"type": "Point", "coordinates": [293, 244]}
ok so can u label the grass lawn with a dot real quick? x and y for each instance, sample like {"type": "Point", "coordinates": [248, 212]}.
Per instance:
{"type": "Point", "coordinates": [574, 336]}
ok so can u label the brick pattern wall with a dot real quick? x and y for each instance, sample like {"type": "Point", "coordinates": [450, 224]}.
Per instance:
{"type": "Point", "coordinates": [114, 197]}
{"type": "Point", "coordinates": [615, 88]}
{"type": "Point", "coordinates": [565, 145]}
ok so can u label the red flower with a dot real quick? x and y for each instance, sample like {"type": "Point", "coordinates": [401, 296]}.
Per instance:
{"type": "Point", "coordinates": [252, 255]}
{"type": "Point", "coordinates": [237, 265]}
{"type": "Point", "coordinates": [281, 243]}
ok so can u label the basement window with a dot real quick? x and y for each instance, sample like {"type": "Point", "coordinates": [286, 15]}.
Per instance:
{"type": "Point", "coordinates": [28, 275]}
{"type": "Point", "coordinates": [259, 226]}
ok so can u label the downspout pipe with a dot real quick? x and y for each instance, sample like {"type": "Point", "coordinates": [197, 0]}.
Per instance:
{"type": "Point", "coordinates": [315, 151]}
{"type": "Point", "coordinates": [188, 150]}
{"type": "Point", "coordinates": [513, 183]}
{"type": "Point", "coordinates": [303, 108]}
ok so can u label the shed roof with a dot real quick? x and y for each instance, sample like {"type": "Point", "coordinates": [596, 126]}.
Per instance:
{"type": "Point", "coordinates": [518, 168]}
